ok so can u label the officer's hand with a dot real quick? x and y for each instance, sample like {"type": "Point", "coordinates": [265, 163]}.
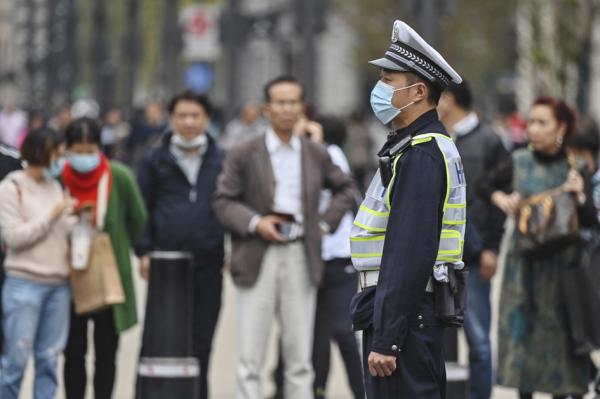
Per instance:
{"type": "Point", "coordinates": [508, 203]}
{"type": "Point", "coordinates": [145, 267]}
{"type": "Point", "coordinates": [381, 365]}
{"type": "Point", "coordinates": [488, 263]}
{"type": "Point", "coordinates": [267, 228]}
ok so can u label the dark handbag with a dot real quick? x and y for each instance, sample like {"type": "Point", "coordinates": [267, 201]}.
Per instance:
{"type": "Point", "coordinates": [547, 221]}
{"type": "Point", "coordinates": [581, 287]}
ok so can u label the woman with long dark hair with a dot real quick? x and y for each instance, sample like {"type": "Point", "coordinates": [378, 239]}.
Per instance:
{"type": "Point", "coordinates": [535, 353]}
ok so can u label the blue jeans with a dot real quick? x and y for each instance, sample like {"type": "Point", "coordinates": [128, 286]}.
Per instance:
{"type": "Point", "coordinates": [477, 329]}
{"type": "Point", "coordinates": [35, 320]}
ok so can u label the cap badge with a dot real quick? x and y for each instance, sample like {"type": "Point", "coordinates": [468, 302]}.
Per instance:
{"type": "Point", "coordinates": [396, 32]}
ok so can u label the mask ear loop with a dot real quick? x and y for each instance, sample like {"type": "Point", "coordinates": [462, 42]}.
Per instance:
{"type": "Point", "coordinates": [407, 105]}
{"type": "Point", "coordinates": [404, 88]}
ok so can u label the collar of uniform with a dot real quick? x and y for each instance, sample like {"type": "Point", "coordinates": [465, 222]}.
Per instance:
{"type": "Point", "coordinates": [419, 123]}
{"type": "Point", "coordinates": [466, 125]}
{"type": "Point", "coordinates": [412, 129]}
{"type": "Point", "coordinates": [274, 142]}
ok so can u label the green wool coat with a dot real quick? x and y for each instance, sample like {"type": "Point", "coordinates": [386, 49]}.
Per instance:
{"type": "Point", "coordinates": [125, 219]}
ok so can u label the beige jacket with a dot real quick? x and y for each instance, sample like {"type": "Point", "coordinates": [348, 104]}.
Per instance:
{"type": "Point", "coordinates": [36, 247]}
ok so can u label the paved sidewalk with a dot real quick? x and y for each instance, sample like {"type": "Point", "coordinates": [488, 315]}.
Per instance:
{"type": "Point", "coordinates": [224, 355]}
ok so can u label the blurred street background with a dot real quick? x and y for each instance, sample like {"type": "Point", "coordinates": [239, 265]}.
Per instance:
{"type": "Point", "coordinates": [123, 53]}
{"type": "Point", "coordinates": [121, 60]}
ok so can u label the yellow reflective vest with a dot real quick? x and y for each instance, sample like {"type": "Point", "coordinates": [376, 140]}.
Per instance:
{"type": "Point", "coordinates": [370, 225]}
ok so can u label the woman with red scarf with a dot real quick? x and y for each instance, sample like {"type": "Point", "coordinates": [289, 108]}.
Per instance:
{"type": "Point", "coordinates": [125, 218]}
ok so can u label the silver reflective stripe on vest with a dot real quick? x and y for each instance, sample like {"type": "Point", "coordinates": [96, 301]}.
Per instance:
{"type": "Point", "coordinates": [455, 208]}
{"type": "Point", "coordinates": [368, 233]}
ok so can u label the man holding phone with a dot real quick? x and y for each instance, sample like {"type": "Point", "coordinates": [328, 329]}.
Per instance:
{"type": "Point", "coordinates": [268, 197]}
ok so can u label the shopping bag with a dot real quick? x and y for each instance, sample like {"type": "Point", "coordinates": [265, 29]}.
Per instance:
{"type": "Point", "coordinates": [98, 285]}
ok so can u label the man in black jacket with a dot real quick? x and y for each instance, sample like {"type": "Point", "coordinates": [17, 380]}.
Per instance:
{"type": "Point", "coordinates": [177, 180]}
{"type": "Point", "coordinates": [481, 150]}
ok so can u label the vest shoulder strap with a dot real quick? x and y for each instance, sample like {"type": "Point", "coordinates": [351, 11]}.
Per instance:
{"type": "Point", "coordinates": [400, 147]}
{"type": "Point", "coordinates": [427, 137]}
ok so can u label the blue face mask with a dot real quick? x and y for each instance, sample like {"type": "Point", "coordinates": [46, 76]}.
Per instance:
{"type": "Point", "coordinates": [84, 163]}
{"type": "Point", "coordinates": [55, 169]}
{"type": "Point", "coordinates": [381, 101]}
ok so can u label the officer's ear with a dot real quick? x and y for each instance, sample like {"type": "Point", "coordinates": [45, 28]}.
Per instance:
{"type": "Point", "coordinates": [422, 91]}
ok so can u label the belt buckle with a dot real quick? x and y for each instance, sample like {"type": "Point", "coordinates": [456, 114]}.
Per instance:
{"type": "Point", "coordinates": [362, 279]}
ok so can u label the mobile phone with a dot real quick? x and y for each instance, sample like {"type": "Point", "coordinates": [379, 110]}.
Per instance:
{"type": "Point", "coordinates": [289, 230]}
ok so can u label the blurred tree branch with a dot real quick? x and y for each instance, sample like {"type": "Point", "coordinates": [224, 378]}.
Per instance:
{"type": "Point", "coordinates": [476, 37]}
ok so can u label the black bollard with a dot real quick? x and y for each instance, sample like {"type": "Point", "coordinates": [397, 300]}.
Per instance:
{"type": "Point", "coordinates": [168, 367]}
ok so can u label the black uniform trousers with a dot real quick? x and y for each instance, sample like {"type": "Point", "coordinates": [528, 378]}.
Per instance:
{"type": "Point", "coordinates": [208, 282]}
{"type": "Point", "coordinates": [106, 341]}
{"type": "Point", "coordinates": [420, 369]}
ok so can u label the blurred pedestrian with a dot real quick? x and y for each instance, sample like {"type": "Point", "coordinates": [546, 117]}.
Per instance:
{"type": "Point", "coordinates": [534, 344]}
{"type": "Point", "coordinates": [509, 124]}
{"type": "Point", "coordinates": [268, 197]}
{"type": "Point", "coordinates": [359, 147]}
{"type": "Point", "coordinates": [408, 234]}
{"type": "Point", "coordinates": [36, 119]}
{"type": "Point", "coordinates": [10, 160]}
{"type": "Point", "coordinates": [585, 143]}
{"type": "Point", "coordinates": [125, 219]}
{"type": "Point", "coordinates": [85, 108]}
{"type": "Point", "coordinates": [247, 125]}
{"type": "Point", "coordinates": [13, 125]}
{"type": "Point", "coordinates": [178, 178]}
{"type": "Point", "coordinates": [61, 119]}
{"type": "Point", "coordinates": [332, 319]}
{"type": "Point", "coordinates": [35, 223]}
{"type": "Point", "coordinates": [146, 132]}
{"type": "Point", "coordinates": [481, 150]}
{"type": "Point", "coordinates": [114, 134]}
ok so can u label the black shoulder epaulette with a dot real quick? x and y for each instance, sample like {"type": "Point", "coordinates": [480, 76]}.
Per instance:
{"type": "Point", "coordinates": [401, 146]}
{"type": "Point", "coordinates": [386, 162]}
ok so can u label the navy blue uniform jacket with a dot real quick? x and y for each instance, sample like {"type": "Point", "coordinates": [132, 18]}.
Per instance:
{"type": "Point", "coordinates": [412, 236]}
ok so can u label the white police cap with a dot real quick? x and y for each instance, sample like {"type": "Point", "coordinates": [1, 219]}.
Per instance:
{"type": "Point", "coordinates": [409, 52]}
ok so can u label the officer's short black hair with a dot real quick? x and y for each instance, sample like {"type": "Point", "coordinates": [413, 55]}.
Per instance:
{"type": "Point", "coordinates": [282, 79]}
{"type": "Point", "coordinates": [434, 94]}
{"type": "Point", "coordinates": [38, 146]}
{"type": "Point", "coordinates": [334, 130]}
{"type": "Point", "coordinates": [462, 94]}
{"type": "Point", "coordinates": [83, 130]}
{"type": "Point", "coordinates": [189, 95]}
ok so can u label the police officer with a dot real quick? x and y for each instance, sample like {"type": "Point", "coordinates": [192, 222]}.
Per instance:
{"type": "Point", "coordinates": [408, 234]}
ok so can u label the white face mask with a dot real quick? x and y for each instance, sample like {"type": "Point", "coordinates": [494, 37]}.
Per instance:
{"type": "Point", "coordinates": [189, 144]}
{"type": "Point", "coordinates": [381, 101]}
